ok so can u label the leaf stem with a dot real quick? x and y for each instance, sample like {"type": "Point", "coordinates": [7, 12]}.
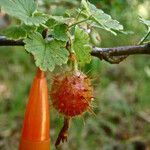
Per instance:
{"type": "Point", "coordinates": [144, 38]}
{"type": "Point", "coordinates": [74, 24]}
{"type": "Point", "coordinates": [79, 14]}
{"type": "Point", "coordinates": [43, 25]}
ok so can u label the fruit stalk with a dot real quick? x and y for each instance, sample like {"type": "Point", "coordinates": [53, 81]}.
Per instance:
{"type": "Point", "coordinates": [71, 93]}
{"type": "Point", "coordinates": [63, 135]}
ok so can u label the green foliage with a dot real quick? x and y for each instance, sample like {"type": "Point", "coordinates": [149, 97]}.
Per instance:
{"type": "Point", "coordinates": [59, 27]}
{"type": "Point", "coordinates": [81, 46]}
{"type": "Point", "coordinates": [60, 32]}
{"type": "Point", "coordinates": [98, 18]}
{"type": "Point", "coordinates": [25, 10]}
{"type": "Point", "coordinates": [47, 54]}
{"type": "Point", "coordinates": [54, 20]}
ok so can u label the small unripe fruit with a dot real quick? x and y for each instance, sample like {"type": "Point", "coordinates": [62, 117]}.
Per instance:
{"type": "Point", "coordinates": [71, 93]}
{"type": "Point", "coordinates": [95, 38]}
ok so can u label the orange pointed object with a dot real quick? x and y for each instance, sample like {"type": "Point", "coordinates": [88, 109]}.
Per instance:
{"type": "Point", "coordinates": [35, 132]}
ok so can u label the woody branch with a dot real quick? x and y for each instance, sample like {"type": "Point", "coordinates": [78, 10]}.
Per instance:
{"type": "Point", "coordinates": [112, 54]}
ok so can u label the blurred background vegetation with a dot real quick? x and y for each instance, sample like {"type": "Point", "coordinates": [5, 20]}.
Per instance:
{"type": "Point", "coordinates": [122, 103]}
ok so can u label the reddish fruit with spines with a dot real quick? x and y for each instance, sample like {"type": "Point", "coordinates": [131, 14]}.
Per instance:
{"type": "Point", "coordinates": [71, 93]}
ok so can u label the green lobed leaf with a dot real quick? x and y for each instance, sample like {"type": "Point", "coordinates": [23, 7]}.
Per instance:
{"type": "Point", "coordinates": [24, 10]}
{"type": "Point", "coordinates": [81, 46]}
{"type": "Point", "coordinates": [17, 32]}
{"type": "Point", "coordinates": [47, 54]}
{"type": "Point", "coordinates": [55, 20]}
{"type": "Point", "coordinates": [60, 32]}
{"type": "Point", "coordinates": [98, 18]}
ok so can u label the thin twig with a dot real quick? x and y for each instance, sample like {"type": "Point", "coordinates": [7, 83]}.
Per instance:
{"type": "Point", "coordinates": [144, 38]}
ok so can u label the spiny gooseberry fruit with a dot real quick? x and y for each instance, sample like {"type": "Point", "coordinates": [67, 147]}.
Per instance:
{"type": "Point", "coordinates": [71, 93]}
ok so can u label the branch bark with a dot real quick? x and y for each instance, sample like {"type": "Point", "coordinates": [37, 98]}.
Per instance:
{"type": "Point", "coordinates": [118, 54]}
{"type": "Point", "coordinates": [6, 42]}
{"type": "Point", "coordinates": [112, 55]}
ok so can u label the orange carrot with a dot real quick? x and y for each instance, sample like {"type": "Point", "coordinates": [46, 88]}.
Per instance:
{"type": "Point", "coordinates": [35, 132]}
